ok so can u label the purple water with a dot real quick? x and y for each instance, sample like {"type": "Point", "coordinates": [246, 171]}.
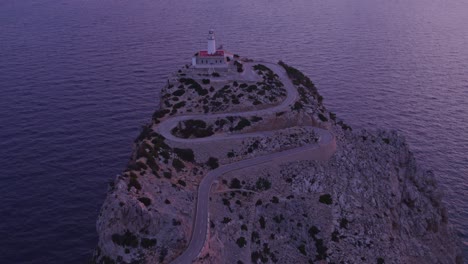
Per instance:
{"type": "Point", "coordinates": [78, 78]}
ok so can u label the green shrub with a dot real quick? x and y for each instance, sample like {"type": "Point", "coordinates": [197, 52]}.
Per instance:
{"type": "Point", "coordinates": [179, 92]}
{"type": "Point", "coordinates": [262, 222]}
{"type": "Point", "coordinates": [145, 133]}
{"type": "Point", "coordinates": [241, 242]}
{"type": "Point", "coordinates": [148, 243]}
{"type": "Point", "coordinates": [297, 106]}
{"type": "Point", "coordinates": [235, 184]}
{"type": "Point", "coordinates": [326, 199]}
{"type": "Point", "coordinates": [261, 67]}
{"type": "Point", "coordinates": [182, 182]}
{"type": "Point", "coordinates": [185, 154]}
{"type": "Point", "coordinates": [179, 105]}
{"type": "Point", "coordinates": [177, 164]}
{"type": "Point", "coordinates": [133, 182]}
{"type": "Point", "coordinates": [242, 124]}
{"type": "Point", "coordinates": [126, 240]}
{"type": "Point", "coordinates": [194, 128]}
{"type": "Point", "coordinates": [302, 249]}
{"type": "Point", "coordinates": [322, 117]}
{"type": "Point", "coordinates": [167, 174]}
{"type": "Point", "coordinates": [206, 81]}
{"type": "Point", "coordinates": [256, 119]}
{"type": "Point", "coordinates": [262, 184]}
{"type": "Point", "coordinates": [255, 237]}
{"type": "Point", "coordinates": [145, 200]}
{"type": "Point", "coordinates": [275, 200]}
{"type": "Point", "coordinates": [212, 163]}
{"type": "Point", "coordinates": [313, 231]}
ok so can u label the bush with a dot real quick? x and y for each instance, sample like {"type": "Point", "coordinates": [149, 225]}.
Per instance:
{"type": "Point", "coordinates": [133, 182]}
{"type": "Point", "coordinates": [322, 117]}
{"type": "Point", "coordinates": [185, 154]}
{"type": "Point", "coordinates": [326, 199]}
{"type": "Point", "coordinates": [235, 184]}
{"type": "Point", "coordinates": [145, 200]}
{"type": "Point", "coordinates": [212, 163]}
{"type": "Point", "coordinates": [242, 124]}
{"type": "Point", "coordinates": [275, 200]}
{"type": "Point", "coordinates": [241, 242]}
{"type": "Point", "coordinates": [313, 231]}
{"type": "Point", "coordinates": [297, 106]}
{"type": "Point", "coordinates": [261, 67]}
{"type": "Point", "coordinates": [262, 222]}
{"type": "Point", "coordinates": [167, 174]}
{"type": "Point", "coordinates": [126, 240]}
{"type": "Point", "coordinates": [302, 249]}
{"type": "Point", "coordinates": [178, 92]}
{"type": "Point", "coordinates": [193, 128]}
{"type": "Point", "coordinates": [255, 237]}
{"type": "Point", "coordinates": [179, 105]}
{"type": "Point", "coordinates": [256, 119]}
{"type": "Point", "coordinates": [206, 81]}
{"type": "Point", "coordinates": [181, 182]}
{"type": "Point", "coordinates": [215, 74]}
{"type": "Point", "coordinates": [147, 243]}
{"type": "Point", "coordinates": [177, 164]}
{"type": "Point", "coordinates": [262, 184]}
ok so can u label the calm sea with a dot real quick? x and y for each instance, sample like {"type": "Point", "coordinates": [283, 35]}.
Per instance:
{"type": "Point", "coordinates": [78, 78]}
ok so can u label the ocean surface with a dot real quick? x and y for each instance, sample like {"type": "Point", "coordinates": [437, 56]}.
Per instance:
{"type": "Point", "coordinates": [79, 78]}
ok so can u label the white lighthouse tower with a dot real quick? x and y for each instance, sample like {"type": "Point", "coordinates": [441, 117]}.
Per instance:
{"type": "Point", "coordinates": [211, 42]}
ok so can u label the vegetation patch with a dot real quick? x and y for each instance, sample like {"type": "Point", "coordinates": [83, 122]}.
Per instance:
{"type": "Point", "coordinates": [178, 164]}
{"type": "Point", "coordinates": [262, 184]}
{"type": "Point", "coordinates": [133, 182]}
{"type": "Point", "coordinates": [185, 154]}
{"type": "Point", "coordinates": [148, 242]}
{"type": "Point", "coordinates": [326, 199]}
{"type": "Point", "coordinates": [145, 200]}
{"type": "Point", "coordinates": [193, 129]}
{"type": "Point", "coordinates": [241, 242]}
{"type": "Point", "coordinates": [212, 163]}
{"type": "Point", "coordinates": [125, 240]}
{"type": "Point", "coordinates": [322, 117]}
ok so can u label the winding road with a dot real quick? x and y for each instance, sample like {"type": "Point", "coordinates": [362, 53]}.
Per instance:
{"type": "Point", "coordinates": [322, 150]}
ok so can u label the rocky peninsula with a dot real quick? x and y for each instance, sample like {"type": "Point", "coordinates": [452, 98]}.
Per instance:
{"type": "Point", "coordinates": [248, 166]}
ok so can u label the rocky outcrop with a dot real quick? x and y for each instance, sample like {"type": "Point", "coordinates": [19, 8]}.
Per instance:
{"type": "Point", "coordinates": [369, 203]}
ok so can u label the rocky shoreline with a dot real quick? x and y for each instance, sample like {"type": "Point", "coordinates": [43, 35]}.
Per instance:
{"type": "Point", "coordinates": [368, 203]}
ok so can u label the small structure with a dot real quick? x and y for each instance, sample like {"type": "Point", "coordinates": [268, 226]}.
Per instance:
{"type": "Point", "coordinates": [211, 58]}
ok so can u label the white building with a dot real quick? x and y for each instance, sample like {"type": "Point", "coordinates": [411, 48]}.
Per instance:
{"type": "Point", "coordinates": [211, 58]}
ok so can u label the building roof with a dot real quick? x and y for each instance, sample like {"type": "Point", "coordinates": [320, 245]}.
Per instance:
{"type": "Point", "coordinates": [204, 53]}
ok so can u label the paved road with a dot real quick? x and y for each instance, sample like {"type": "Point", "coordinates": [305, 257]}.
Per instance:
{"type": "Point", "coordinates": [318, 151]}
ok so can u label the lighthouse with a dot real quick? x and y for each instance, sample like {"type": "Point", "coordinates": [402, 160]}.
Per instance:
{"type": "Point", "coordinates": [211, 58]}
{"type": "Point", "coordinates": [211, 42]}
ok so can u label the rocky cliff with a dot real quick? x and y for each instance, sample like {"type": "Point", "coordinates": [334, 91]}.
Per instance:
{"type": "Point", "coordinates": [366, 202]}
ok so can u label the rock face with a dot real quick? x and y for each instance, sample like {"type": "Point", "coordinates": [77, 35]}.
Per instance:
{"type": "Point", "coordinates": [369, 203]}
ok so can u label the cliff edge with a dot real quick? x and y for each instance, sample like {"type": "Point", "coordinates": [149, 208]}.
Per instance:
{"type": "Point", "coordinates": [247, 166]}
